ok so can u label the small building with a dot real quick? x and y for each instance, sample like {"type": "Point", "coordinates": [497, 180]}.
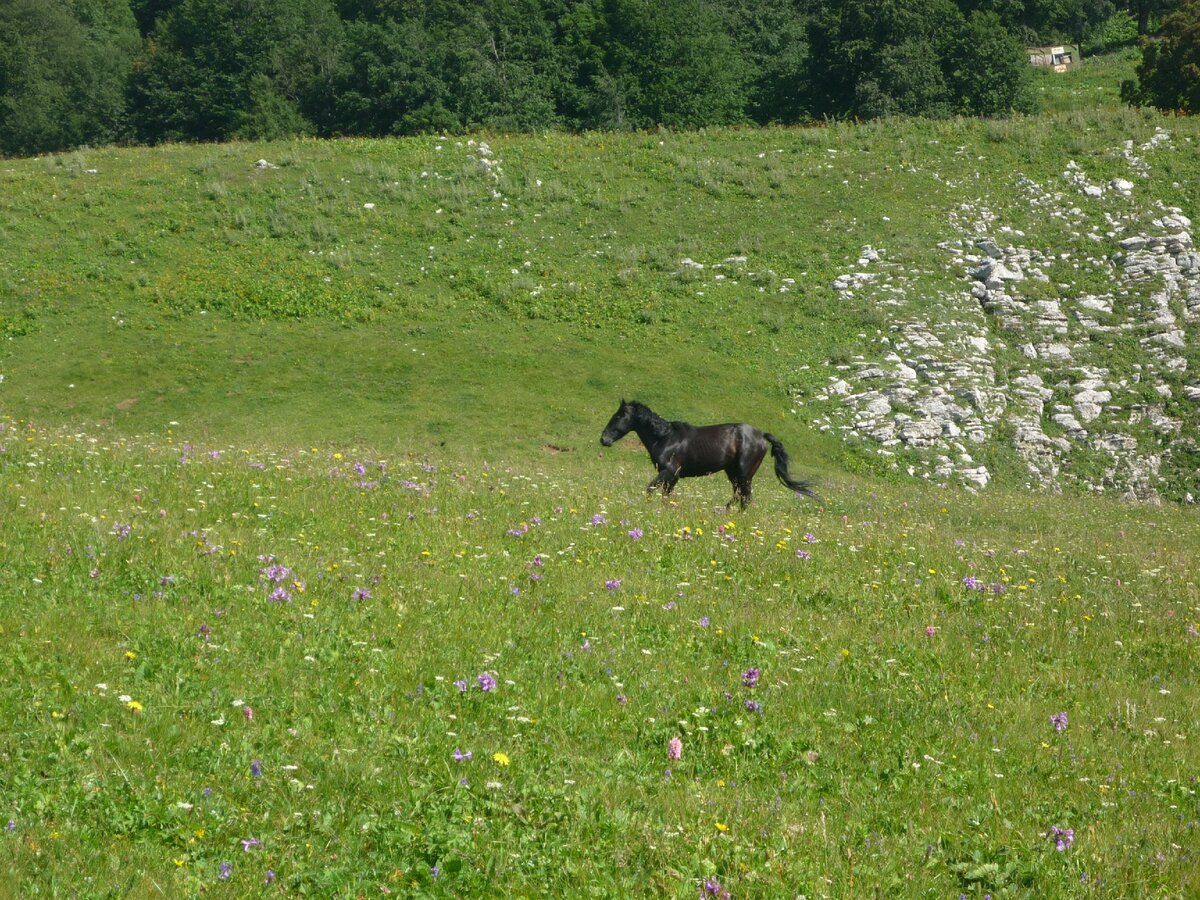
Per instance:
{"type": "Point", "coordinates": [1058, 58]}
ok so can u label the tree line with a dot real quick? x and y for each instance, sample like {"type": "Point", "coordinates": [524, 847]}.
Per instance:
{"type": "Point", "coordinates": [75, 72]}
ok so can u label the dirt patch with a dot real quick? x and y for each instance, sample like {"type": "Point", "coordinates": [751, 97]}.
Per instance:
{"type": "Point", "coordinates": [127, 404]}
{"type": "Point", "coordinates": [554, 448]}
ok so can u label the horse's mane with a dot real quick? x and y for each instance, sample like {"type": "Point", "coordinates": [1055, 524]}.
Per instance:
{"type": "Point", "coordinates": [644, 415]}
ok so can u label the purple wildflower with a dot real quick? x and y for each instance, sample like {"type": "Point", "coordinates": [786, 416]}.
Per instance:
{"type": "Point", "coordinates": [750, 677]}
{"type": "Point", "coordinates": [256, 768]}
{"type": "Point", "coordinates": [461, 684]}
{"type": "Point", "coordinates": [598, 519]}
{"type": "Point", "coordinates": [622, 699]}
{"type": "Point", "coordinates": [613, 584]}
{"type": "Point", "coordinates": [434, 873]}
{"type": "Point", "coordinates": [803, 554]}
{"type": "Point", "coordinates": [360, 594]}
{"type": "Point", "coordinates": [635, 533]}
{"type": "Point", "coordinates": [930, 630]}
{"type": "Point", "coordinates": [460, 756]}
{"type": "Point", "coordinates": [226, 871]}
{"type": "Point", "coordinates": [247, 843]}
{"type": "Point", "coordinates": [1059, 721]}
{"type": "Point", "coordinates": [674, 748]}
{"type": "Point", "coordinates": [487, 682]}
{"type": "Point", "coordinates": [280, 595]}
{"type": "Point", "coordinates": [810, 538]}
{"type": "Point", "coordinates": [754, 706]}
{"type": "Point", "coordinates": [704, 621]}
{"type": "Point", "coordinates": [270, 876]}
{"type": "Point", "coordinates": [1062, 837]}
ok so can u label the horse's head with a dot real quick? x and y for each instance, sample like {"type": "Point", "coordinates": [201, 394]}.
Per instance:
{"type": "Point", "coordinates": [619, 425]}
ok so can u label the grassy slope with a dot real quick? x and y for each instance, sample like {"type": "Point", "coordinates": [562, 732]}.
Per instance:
{"type": "Point", "coordinates": [884, 760]}
{"type": "Point", "coordinates": [184, 284]}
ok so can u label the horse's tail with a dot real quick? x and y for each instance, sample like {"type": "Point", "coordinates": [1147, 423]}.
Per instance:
{"type": "Point", "coordinates": [803, 488]}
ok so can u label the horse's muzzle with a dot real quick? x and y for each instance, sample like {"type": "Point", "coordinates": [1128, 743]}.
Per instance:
{"type": "Point", "coordinates": [605, 440]}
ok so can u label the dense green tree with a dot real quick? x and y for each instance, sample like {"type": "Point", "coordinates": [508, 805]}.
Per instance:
{"type": "Point", "coordinates": [771, 36]}
{"type": "Point", "coordinates": [196, 78]}
{"type": "Point", "coordinates": [641, 63]}
{"type": "Point", "coordinates": [871, 58]}
{"type": "Point", "coordinates": [63, 67]}
{"type": "Point", "coordinates": [988, 72]}
{"type": "Point", "coordinates": [1169, 74]}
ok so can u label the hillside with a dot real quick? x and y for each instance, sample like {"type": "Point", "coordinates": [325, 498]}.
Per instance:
{"type": "Point", "coordinates": [974, 302]}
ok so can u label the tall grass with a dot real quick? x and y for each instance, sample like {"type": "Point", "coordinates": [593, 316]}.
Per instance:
{"type": "Point", "coordinates": [234, 665]}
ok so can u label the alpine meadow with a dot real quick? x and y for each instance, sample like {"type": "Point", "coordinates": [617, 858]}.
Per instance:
{"type": "Point", "coordinates": [316, 580]}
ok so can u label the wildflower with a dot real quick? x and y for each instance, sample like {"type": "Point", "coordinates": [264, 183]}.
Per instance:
{"type": "Point", "coordinates": [803, 554]}
{"type": "Point", "coordinates": [810, 538]}
{"type": "Point", "coordinates": [930, 631]}
{"type": "Point", "coordinates": [256, 768]}
{"type": "Point", "coordinates": [750, 677]}
{"type": "Point", "coordinates": [135, 706]}
{"type": "Point", "coordinates": [270, 876]}
{"type": "Point", "coordinates": [754, 706]}
{"type": "Point", "coordinates": [613, 584]}
{"type": "Point", "coordinates": [721, 827]}
{"type": "Point", "coordinates": [461, 684]}
{"type": "Point", "coordinates": [675, 748]}
{"type": "Point", "coordinates": [360, 594]}
{"type": "Point", "coordinates": [622, 699]}
{"type": "Point", "coordinates": [248, 712]}
{"type": "Point", "coordinates": [247, 843]}
{"type": "Point", "coordinates": [460, 756]}
{"type": "Point", "coordinates": [226, 871]}
{"type": "Point", "coordinates": [487, 682]}
{"type": "Point", "coordinates": [704, 621]}
{"type": "Point", "coordinates": [1062, 837]}
{"type": "Point", "coordinates": [501, 758]}
{"type": "Point", "coordinates": [598, 519]}
{"type": "Point", "coordinates": [1059, 721]}
{"type": "Point", "coordinates": [635, 534]}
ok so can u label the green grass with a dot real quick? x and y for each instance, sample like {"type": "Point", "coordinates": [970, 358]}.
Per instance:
{"type": "Point", "coordinates": [1094, 82]}
{"type": "Point", "coordinates": [904, 744]}
{"type": "Point", "coordinates": [198, 352]}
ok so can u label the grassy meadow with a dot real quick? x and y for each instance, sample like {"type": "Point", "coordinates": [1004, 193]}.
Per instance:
{"type": "Point", "coordinates": [315, 580]}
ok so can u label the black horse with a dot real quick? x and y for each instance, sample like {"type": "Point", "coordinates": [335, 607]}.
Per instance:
{"type": "Point", "coordinates": [680, 450]}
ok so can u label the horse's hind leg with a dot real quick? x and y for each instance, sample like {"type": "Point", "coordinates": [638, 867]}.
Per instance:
{"type": "Point", "coordinates": [741, 489]}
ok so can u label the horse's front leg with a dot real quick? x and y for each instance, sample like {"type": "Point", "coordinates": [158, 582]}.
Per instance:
{"type": "Point", "coordinates": [665, 479]}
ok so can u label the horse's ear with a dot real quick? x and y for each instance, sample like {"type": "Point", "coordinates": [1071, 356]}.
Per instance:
{"type": "Point", "coordinates": [623, 402]}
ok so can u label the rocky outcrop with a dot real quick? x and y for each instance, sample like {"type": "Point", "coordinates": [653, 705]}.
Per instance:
{"type": "Point", "coordinates": [1088, 376]}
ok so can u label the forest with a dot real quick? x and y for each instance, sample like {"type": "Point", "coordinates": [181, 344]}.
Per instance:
{"type": "Point", "coordinates": [92, 72]}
